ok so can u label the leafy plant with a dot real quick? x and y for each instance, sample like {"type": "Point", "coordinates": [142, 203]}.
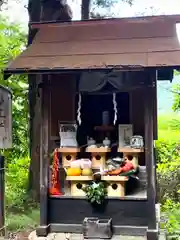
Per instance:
{"type": "Point", "coordinates": [168, 172]}
{"type": "Point", "coordinates": [176, 93]}
{"type": "Point", "coordinates": [16, 183]}
{"type": "Point", "coordinates": [96, 192]}
{"type": "Point", "coordinates": [12, 42]}
{"type": "Point", "coordinates": [171, 219]}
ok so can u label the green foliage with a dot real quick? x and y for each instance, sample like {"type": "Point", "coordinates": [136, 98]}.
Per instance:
{"type": "Point", "coordinates": [176, 93]}
{"type": "Point", "coordinates": [169, 122]}
{"type": "Point", "coordinates": [12, 42]}
{"type": "Point", "coordinates": [16, 183]}
{"type": "Point", "coordinates": [168, 167]}
{"type": "Point", "coordinates": [168, 172]}
{"type": "Point", "coordinates": [168, 137]}
{"type": "Point", "coordinates": [108, 3]}
{"type": "Point", "coordinates": [171, 216]}
{"type": "Point", "coordinates": [96, 192]}
{"type": "Point", "coordinates": [102, 8]}
{"type": "Point", "coordinates": [23, 221]}
{"type": "Point", "coordinates": [22, 212]}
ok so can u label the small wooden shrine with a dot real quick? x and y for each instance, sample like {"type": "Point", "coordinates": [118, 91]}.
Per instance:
{"type": "Point", "coordinates": [99, 119]}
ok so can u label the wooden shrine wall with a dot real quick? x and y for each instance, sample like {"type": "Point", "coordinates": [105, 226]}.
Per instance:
{"type": "Point", "coordinates": [137, 111]}
{"type": "Point", "coordinates": [137, 116]}
{"type": "Point", "coordinates": [63, 90]}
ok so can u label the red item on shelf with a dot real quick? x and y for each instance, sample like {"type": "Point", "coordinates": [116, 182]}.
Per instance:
{"type": "Point", "coordinates": [55, 188]}
{"type": "Point", "coordinates": [127, 167]}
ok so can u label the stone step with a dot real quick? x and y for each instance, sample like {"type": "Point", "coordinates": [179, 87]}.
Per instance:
{"type": "Point", "coordinates": [72, 236]}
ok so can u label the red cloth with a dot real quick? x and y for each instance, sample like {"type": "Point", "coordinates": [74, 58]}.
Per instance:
{"type": "Point", "coordinates": [127, 167]}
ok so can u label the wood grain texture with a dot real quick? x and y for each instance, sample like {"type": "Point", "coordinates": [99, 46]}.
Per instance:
{"type": "Point", "coordinates": [149, 155]}
{"type": "Point", "coordinates": [44, 150]}
{"type": "Point", "coordinates": [69, 150]}
{"type": "Point", "coordinates": [130, 150]}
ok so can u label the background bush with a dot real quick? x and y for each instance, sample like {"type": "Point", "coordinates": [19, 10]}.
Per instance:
{"type": "Point", "coordinates": [16, 183]}
{"type": "Point", "coordinates": [168, 173]}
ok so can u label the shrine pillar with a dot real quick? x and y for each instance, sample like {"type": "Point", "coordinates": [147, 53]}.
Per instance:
{"type": "Point", "coordinates": [43, 229]}
{"type": "Point", "coordinates": [152, 231]}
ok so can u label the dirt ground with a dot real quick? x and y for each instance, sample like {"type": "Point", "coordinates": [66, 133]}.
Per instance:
{"type": "Point", "coordinates": [16, 236]}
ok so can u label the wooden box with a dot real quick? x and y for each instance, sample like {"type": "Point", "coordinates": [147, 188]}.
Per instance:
{"type": "Point", "coordinates": [116, 186]}
{"type": "Point", "coordinates": [98, 156]}
{"type": "Point", "coordinates": [131, 151]}
{"type": "Point", "coordinates": [77, 183]}
{"type": "Point", "coordinates": [68, 155]}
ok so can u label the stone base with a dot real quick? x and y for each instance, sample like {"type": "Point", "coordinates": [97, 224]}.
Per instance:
{"type": "Point", "coordinates": [42, 231]}
{"type": "Point", "coordinates": [117, 230]}
{"type": "Point", "coordinates": [72, 236]}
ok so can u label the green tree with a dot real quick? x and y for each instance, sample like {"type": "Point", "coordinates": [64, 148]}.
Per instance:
{"type": "Point", "coordinates": [176, 93]}
{"type": "Point", "coordinates": [88, 7]}
{"type": "Point", "coordinates": [12, 41]}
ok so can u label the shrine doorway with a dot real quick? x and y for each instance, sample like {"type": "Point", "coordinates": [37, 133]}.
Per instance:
{"type": "Point", "coordinates": [92, 107]}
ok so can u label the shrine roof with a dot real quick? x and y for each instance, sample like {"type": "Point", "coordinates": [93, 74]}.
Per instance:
{"type": "Point", "coordinates": [125, 43]}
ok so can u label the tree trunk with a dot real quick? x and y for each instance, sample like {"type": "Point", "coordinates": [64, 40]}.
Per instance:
{"type": "Point", "coordinates": [85, 6]}
{"type": "Point", "coordinates": [34, 9]}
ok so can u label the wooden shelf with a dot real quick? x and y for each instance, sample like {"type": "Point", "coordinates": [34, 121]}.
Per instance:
{"type": "Point", "coordinates": [79, 178]}
{"type": "Point", "coordinates": [130, 150]}
{"type": "Point", "coordinates": [103, 178]}
{"type": "Point", "coordinates": [98, 150]}
{"type": "Point", "coordinates": [115, 178]}
{"type": "Point", "coordinates": [68, 150]}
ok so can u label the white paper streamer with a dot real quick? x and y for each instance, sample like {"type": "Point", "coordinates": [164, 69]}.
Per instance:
{"type": "Point", "coordinates": [79, 110]}
{"type": "Point", "coordinates": [115, 108]}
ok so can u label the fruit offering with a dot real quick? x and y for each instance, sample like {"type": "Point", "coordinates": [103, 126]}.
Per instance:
{"type": "Point", "coordinates": [73, 172]}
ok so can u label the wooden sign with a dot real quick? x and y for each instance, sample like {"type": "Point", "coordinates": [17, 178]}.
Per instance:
{"type": "Point", "coordinates": [5, 118]}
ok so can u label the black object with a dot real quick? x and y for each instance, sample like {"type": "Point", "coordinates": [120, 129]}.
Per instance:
{"type": "Point", "coordinates": [66, 210]}
{"type": "Point", "coordinates": [97, 228]}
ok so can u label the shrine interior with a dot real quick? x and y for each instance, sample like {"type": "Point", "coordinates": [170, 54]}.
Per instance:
{"type": "Point", "coordinates": [97, 114]}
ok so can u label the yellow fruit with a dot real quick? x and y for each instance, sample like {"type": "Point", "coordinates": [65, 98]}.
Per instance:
{"type": "Point", "coordinates": [87, 172]}
{"type": "Point", "coordinates": [73, 172]}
